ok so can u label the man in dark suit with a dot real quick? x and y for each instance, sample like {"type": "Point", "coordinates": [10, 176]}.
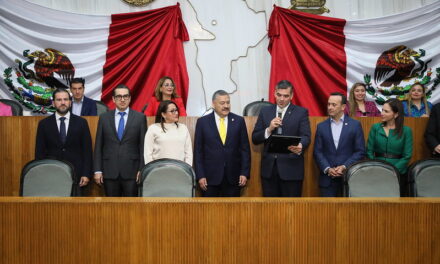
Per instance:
{"type": "Point", "coordinates": [282, 174]}
{"type": "Point", "coordinates": [339, 142]}
{"type": "Point", "coordinates": [64, 136]}
{"type": "Point", "coordinates": [119, 146]}
{"type": "Point", "coordinates": [82, 105]}
{"type": "Point", "coordinates": [222, 153]}
{"type": "Point", "coordinates": [432, 133]}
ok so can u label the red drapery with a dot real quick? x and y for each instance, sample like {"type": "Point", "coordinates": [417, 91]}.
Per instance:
{"type": "Point", "coordinates": [142, 48]}
{"type": "Point", "coordinates": [307, 50]}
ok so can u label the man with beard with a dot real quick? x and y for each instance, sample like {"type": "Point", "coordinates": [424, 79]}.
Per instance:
{"type": "Point", "coordinates": [221, 150]}
{"type": "Point", "coordinates": [65, 136]}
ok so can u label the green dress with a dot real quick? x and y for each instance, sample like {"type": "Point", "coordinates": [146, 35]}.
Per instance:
{"type": "Point", "coordinates": [380, 143]}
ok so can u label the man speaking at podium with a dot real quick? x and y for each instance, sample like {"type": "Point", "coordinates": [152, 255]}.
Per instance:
{"type": "Point", "coordinates": [282, 174]}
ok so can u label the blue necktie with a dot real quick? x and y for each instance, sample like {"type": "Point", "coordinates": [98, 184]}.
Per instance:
{"type": "Point", "coordinates": [62, 130]}
{"type": "Point", "coordinates": [121, 125]}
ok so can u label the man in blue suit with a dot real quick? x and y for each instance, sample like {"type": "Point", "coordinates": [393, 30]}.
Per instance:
{"type": "Point", "coordinates": [81, 105]}
{"type": "Point", "coordinates": [282, 174]}
{"type": "Point", "coordinates": [221, 150]}
{"type": "Point", "coordinates": [339, 142]}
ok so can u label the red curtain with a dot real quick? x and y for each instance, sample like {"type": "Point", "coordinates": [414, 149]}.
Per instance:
{"type": "Point", "coordinates": [307, 50]}
{"type": "Point", "coordinates": [142, 48]}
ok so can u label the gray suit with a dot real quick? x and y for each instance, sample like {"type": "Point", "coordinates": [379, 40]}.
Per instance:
{"type": "Point", "coordinates": [120, 158]}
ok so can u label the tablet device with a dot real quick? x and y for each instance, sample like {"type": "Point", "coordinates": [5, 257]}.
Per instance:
{"type": "Point", "coordinates": [279, 143]}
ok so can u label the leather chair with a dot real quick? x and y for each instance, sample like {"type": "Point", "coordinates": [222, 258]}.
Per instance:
{"type": "Point", "coordinates": [48, 177]}
{"type": "Point", "coordinates": [17, 109]}
{"type": "Point", "coordinates": [254, 108]}
{"type": "Point", "coordinates": [424, 178]}
{"type": "Point", "coordinates": [371, 178]}
{"type": "Point", "coordinates": [101, 107]}
{"type": "Point", "coordinates": [167, 178]}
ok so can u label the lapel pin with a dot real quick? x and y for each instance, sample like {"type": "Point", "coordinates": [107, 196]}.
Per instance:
{"type": "Point", "coordinates": [232, 119]}
{"type": "Point", "coordinates": [346, 124]}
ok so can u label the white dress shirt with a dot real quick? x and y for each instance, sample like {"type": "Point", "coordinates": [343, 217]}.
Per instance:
{"type": "Point", "coordinates": [217, 122]}
{"type": "Point", "coordinates": [67, 116]}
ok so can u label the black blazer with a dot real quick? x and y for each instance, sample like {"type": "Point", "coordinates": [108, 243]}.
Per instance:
{"type": "Point", "coordinates": [432, 133]}
{"type": "Point", "coordinates": [295, 123]}
{"type": "Point", "coordinates": [213, 160]}
{"type": "Point", "coordinates": [78, 146]}
{"type": "Point", "coordinates": [125, 157]}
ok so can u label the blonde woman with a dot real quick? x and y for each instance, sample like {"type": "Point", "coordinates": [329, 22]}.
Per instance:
{"type": "Point", "coordinates": [416, 105]}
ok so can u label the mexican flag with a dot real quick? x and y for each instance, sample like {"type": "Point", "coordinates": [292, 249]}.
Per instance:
{"type": "Point", "coordinates": [42, 49]}
{"type": "Point", "coordinates": [321, 55]}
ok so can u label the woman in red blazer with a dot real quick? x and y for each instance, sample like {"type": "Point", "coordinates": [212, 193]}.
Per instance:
{"type": "Point", "coordinates": [165, 90]}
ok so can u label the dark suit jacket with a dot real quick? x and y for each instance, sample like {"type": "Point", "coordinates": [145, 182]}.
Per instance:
{"type": "Point", "coordinates": [432, 133]}
{"type": "Point", "coordinates": [351, 147]}
{"type": "Point", "coordinates": [88, 107]}
{"type": "Point", "coordinates": [125, 157]}
{"type": "Point", "coordinates": [213, 159]}
{"type": "Point", "coordinates": [77, 148]}
{"type": "Point", "coordinates": [295, 123]}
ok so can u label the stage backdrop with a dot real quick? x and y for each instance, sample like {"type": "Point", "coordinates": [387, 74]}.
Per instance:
{"type": "Point", "coordinates": [321, 55]}
{"type": "Point", "coordinates": [227, 47]}
{"type": "Point", "coordinates": [44, 48]}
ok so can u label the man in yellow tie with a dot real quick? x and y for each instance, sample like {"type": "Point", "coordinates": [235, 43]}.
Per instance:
{"type": "Point", "coordinates": [221, 150]}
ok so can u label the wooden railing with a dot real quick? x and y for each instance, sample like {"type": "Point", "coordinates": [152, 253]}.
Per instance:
{"type": "Point", "coordinates": [17, 146]}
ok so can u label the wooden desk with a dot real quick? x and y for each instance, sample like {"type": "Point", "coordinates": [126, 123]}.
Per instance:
{"type": "Point", "coordinates": [207, 230]}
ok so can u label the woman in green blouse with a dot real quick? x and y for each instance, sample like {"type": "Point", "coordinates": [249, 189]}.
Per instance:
{"type": "Point", "coordinates": [390, 140]}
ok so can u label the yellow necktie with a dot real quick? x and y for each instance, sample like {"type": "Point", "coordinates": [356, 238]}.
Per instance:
{"type": "Point", "coordinates": [222, 130]}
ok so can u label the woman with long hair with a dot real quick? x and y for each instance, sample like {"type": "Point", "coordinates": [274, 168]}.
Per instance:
{"type": "Point", "coordinates": [167, 138]}
{"type": "Point", "coordinates": [390, 140]}
{"type": "Point", "coordinates": [357, 105]}
{"type": "Point", "coordinates": [416, 105]}
{"type": "Point", "coordinates": [165, 90]}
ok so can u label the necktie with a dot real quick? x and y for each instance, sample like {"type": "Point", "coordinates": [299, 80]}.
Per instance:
{"type": "Point", "coordinates": [121, 125]}
{"type": "Point", "coordinates": [62, 130]}
{"type": "Point", "coordinates": [222, 130]}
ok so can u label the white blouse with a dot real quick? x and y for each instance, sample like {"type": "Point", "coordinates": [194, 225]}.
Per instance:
{"type": "Point", "coordinates": [174, 143]}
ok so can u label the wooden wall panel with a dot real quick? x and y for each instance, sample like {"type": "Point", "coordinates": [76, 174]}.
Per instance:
{"type": "Point", "coordinates": [17, 144]}
{"type": "Point", "coordinates": [205, 230]}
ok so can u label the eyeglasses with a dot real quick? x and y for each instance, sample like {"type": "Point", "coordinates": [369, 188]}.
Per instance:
{"type": "Point", "coordinates": [173, 111]}
{"type": "Point", "coordinates": [168, 85]}
{"type": "Point", "coordinates": [119, 97]}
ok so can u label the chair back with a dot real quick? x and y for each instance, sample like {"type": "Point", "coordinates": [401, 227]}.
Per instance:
{"type": "Point", "coordinates": [254, 108]}
{"type": "Point", "coordinates": [16, 108]}
{"type": "Point", "coordinates": [167, 178]}
{"type": "Point", "coordinates": [371, 178]}
{"type": "Point", "coordinates": [424, 178]}
{"type": "Point", "coordinates": [47, 177]}
{"type": "Point", "coordinates": [101, 107]}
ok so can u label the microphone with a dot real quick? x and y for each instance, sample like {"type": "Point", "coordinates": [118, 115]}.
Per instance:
{"type": "Point", "coordinates": [145, 107]}
{"type": "Point", "coordinates": [280, 115]}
